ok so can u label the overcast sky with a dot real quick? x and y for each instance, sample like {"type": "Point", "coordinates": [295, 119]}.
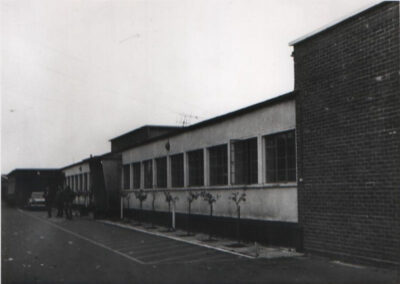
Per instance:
{"type": "Point", "coordinates": [75, 74]}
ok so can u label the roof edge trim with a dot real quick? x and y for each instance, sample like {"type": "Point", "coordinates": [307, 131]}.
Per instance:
{"type": "Point", "coordinates": [285, 97]}
{"type": "Point", "coordinates": [336, 22]}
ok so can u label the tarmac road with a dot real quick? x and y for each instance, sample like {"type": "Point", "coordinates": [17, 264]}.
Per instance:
{"type": "Point", "coordinates": [36, 249]}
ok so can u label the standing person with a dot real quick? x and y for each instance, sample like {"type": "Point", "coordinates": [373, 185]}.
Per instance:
{"type": "Point", "coordinates": [69, 197]}
{"type": "Point", "coordinates": [60, 201]}
{"type": "Point", "coordinates": [48, 198]}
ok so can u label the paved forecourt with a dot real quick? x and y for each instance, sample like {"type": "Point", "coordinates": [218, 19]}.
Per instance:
{"type": "Point", "coordinates": [137, 246]}
{"type": "Point", "coordinates": [37, 249]}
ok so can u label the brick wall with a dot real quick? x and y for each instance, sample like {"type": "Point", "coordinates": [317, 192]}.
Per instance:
{"type": "Point", "coordinates": [348, 133]}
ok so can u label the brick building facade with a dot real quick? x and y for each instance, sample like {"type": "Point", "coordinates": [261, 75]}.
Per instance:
{"type": "Point", "coordinates": [348, 136]}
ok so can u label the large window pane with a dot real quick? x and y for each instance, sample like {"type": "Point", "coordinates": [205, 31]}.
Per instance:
{"type": "Point", "coordinates": [148, 173]}
{"type": "Point", "coordinates": [161, 168]}
{"type": "Point", "coordinates": [218, 156]}
{"type": "Point", "coordinates": [281, 157]}
{"type": "Point", "coordinates": [85, 182]}
{"type": "Point", "coordinates": [177, 177]}
{"type": "Point", "coordinates": [126, 177]}
{"type": "Point", "coordinates": [136, 175]}
{"type": "Point", "coordinates": [76, 182]}
{"type": "Point", "coordinates": [80, 182]}
{"type": "Point", "coordinates": [245, 161]}
{"type": "Point", "coordinates": [196, 168]}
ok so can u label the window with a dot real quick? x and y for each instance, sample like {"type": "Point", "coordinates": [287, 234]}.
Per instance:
{"type": "Point", "coordinates": [177, 170]}
{"type": "Point", "coordinates": [136, 175]}
{"type": "Point", "coordinates": [196, 167]}
{"type": "Point", "coordinates": [148, 173]}
{"type": "Point", "coordinates": [244, 161]}
{"type": "Point", "coordinates": [85, 181]}
{"type": "Point", "coordinates": [81, 182]}
{"type": "Point", "coordinates": [127, 177]}
{"type": "Point", "coordinates": [218, 160]}
{"type": "Point", "coordinates": [161, 168]}
{"type": "Point", "coordinates": [76, 182]}
{"type": "Point", "coordinates": [280, 150]}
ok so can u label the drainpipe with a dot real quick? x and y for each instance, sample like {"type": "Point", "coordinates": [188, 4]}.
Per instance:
{"type": "Point", "coordinates": [173, 215]}
{"type": "Point", "coordinates": [122, 208]}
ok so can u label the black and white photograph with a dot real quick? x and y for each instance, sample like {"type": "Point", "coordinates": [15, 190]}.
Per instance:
{"type": "Point", "coordinates": [200, 141]}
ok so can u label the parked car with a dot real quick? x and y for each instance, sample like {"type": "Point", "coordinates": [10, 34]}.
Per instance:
{"type": "Point", "coordinates": [36, 200]}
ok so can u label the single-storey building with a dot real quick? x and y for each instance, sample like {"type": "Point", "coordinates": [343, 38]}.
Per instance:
{"type": "Point", "coordinates": [249, 151]}
{"type": "Point", "coordinates": [96, 183]}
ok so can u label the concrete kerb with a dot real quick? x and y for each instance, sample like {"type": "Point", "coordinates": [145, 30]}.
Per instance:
{"type": "Point", "coordinates": [175, 238]}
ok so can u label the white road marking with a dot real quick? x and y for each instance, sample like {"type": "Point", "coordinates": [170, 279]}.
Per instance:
{"type": "Point", "coordinates": [348, 264]}
{"type": "Point", "coordinates": [177, 257]}
{"type": "Point", "coordinates": [176, 239]}
{"type": "Point", "coordinates": [141, 245]}
{"type": "Point", "coordinates": [84, 238]}
{"type": "Point", "coordinates": [209, 259]}
{"type": "Point", "coordinates": [144, 246]}
{"type": "Point", "coordinates": [153, 253]}
{"type": "Point", "coordinates": [152, 250]}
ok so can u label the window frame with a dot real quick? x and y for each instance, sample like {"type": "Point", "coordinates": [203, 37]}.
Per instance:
{"type": "Point", "coordinates": [194, 169]}
{"type": "Point", "coordinates": [126, 176]}
{"type": "Point", "coordinates": [267, 173]}
{"type": "Point", "coordinates": [81, 182]}
{"type": "Point", "coordinates": [164, 175]}
{"type": "Point", "coordinates": [148, 176]}
{"type": "Point", "coordinates": [85, 182]}
{"type": "Point", "coordinates": [136, 175]}
{"type": "Point", "coordinates": [180, 172]}
{"type": "Point", "coordinates": [76, 183]}
{"type": "Point", "coordinates": [248, 165]}
{"type": "Point", "coordinates": [214, 168]}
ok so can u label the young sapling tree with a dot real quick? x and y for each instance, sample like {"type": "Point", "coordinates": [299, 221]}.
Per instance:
{"type": "Point", "coordinates": [170, 199]}
{"type": "Point", "coordinates": [123, 195]}
{"type": "Point", "coordinates": [210, 199]}
{"type": "Point", "coordinates": [141, 196]}
{"type": "Point", "coordinates": [192, 196]}
{"type": "Point", "coordinates": [237, 198]}
{"type": "Point", "coordinates": [153, 208]}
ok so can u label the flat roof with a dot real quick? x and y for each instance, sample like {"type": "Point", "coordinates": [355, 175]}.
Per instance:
{"type": "Point", "coordinates": [86, 160]}
{"type": "Point", "coordinates": [144, 127]}
{"type": "Point", "coordinates": [217, 119]}
{"type": "Point", "coordinates": [336, 22]}
{"type": "Point", "coordinates": [179, 130]}
{"type": "Point", "coordinates": [82, 161]}
{"type": "Point", "coordinates": [33, 170]}
{"type": "Point", "coordinates": [75, 164]}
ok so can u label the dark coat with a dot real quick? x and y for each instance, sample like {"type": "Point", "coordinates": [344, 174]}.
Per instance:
{"type": "Point", "coordinates": [69, 195]}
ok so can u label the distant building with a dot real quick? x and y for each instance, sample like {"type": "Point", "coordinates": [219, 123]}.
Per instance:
{"type": "Point", "coordinates": [22, 182]}
{"type": "Point", "coordinates": [96, 183]}
{"type": "Point", "coordinates": [97, 180]}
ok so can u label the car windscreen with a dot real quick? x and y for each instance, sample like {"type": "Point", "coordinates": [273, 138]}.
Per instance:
{"type": "Point", "coordinates": [37, 194]}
